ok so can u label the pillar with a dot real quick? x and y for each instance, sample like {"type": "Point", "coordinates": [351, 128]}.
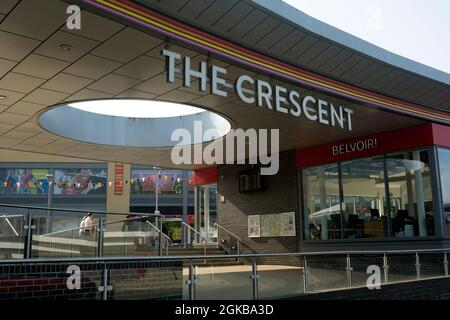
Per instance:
{"type": "Point", "coordinates": [420, 196]}
{"type": "Point", "coordinates": [118, 203]}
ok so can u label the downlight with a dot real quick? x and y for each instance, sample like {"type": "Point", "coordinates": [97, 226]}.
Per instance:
{"type": "Point", "coordinates": [130, 122]}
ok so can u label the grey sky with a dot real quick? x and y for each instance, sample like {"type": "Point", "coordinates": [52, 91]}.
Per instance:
{"type": "Point", "coordinates": [416, 29]}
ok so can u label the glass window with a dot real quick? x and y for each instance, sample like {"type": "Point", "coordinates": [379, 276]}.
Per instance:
{"type": "Point", "coordinates": [411, 195]}
{"type": "Point", "coordinates": [363, 186]}
{"type": "Point", "coordinates": [322, 203]}
{"type": "Point", "coordinates": [23, 181]}
{"type": "Point", "coordinates": [80, 182]}
{"type": "Point", "coordinates": [444, 168]}
{"type": "Point", "coordinates": [143, 181]}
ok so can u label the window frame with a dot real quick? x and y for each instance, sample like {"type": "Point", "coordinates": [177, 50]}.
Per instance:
{"type": "Point", "coordinates": [435, 189]}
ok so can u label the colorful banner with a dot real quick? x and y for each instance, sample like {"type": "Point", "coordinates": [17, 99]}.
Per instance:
{"type": "Point", "coordinates": [118, 176]}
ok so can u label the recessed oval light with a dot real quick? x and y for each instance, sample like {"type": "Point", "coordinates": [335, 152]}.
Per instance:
{"type": "Point", "coordinates": [66, 47]}
{"type": "Point", "coordinates": [2, 97]}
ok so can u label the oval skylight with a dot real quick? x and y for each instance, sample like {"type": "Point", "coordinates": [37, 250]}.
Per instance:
{"type": "Point", "coordinates": [133, 123]}
{"type": "Point", "coordinates": [132, 108]}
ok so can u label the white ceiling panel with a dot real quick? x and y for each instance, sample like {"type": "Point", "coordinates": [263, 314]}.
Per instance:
{"type": "Point", "coordinates": [142, 68]}
{"type": "Point", "coordinates": [29, 126]}
{"type": "Point", "coordinates": [127, 45]}
{"type": "Point", "coordinates": [45, 97]}
{"type": "Point", "coordinates": [11, 97]}
{"type": "Point", "coordinates": [52, 47]}
{"type": "Point", "coordinates": [12, 118]}
{"type": "Point", "coordinates": [66, 83]}
{"type": "Point", "coordinates": [40, 66]}
{"type": "Point", "coordinates": [15, 47]}
{"type": "Point", "coordinates": [20, 83]}
{"type": "Point", "coordinates": [7, 143]}
{"type": "Point", "coordinates": [87, 94]}
{"type": "Point", "coordinates": [4, 127]}
{"type": "Point", "coordinates": [5, 66]}
{"type": "Point", "coordinates": [18, 135]}
{"type": "Point", "coordinates": [136, 94]}
{"type": "Point", "coordinates": [92, 67]}
{"type": "Point", "coordinates": [7, 5]}
{"type": "Point", "coordinates": [26, 108]}
{"type": "Point", "coordinates": [158, 85]}
{"type": "Point", "coordinates": [37, 21]}
{"type": "Point", "coordinates": [178, 96]}
{"type": "Point", "coordinates": [114, 84]}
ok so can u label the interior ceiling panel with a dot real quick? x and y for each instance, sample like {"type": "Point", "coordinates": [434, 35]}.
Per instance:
{"type": "Point", "coordinates": [250, 33]}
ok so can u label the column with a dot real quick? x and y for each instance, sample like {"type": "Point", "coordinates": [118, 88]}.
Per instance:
{"type": "Point", "coordinates": [119, 203]}
{"type": "Point", "coordinates": [420, 196]}
{"type": "Point", "coordinates": [206, 195]}
{"type": "Point", "coordinates": [323, 204]}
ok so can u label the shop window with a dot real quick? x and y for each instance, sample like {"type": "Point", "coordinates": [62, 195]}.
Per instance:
{"type": "Point", "coordinates": [363, 185]}
{"type": "Point", "coordinates": [15, 181]}
{"type": "Point", "coordinates": [411, 195]}
{"type": "Point", "coordinates": [143, 181]}
{"type": "Point", "coordinates": [322, 203]}
{"type": "Point", "coordinates": [444, 169]}
{"type": "Point", "coordinates": [80, 182]}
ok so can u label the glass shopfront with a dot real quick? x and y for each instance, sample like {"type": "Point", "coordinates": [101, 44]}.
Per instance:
{"type": "Point", "coordinates": [388, 196]}
{"type": "Point", "coordinates": [444, 171]}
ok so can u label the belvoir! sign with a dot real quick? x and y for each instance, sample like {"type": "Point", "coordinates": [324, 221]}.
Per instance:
{"type": "Point", "coordinates": [355, 146]}
{"type": "Point", "coordinates": [258, 92]}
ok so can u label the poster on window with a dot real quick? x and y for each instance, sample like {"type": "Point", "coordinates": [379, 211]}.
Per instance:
{"type": "Point", "coordinates": [254, 230]}
{"type": "Point", "coordinates": [288, 224]}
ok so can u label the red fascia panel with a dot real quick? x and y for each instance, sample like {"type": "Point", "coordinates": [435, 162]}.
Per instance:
{"type": "Point", "coordinates": [441, 135]}
{"type": "Point", "coordinates": [205, 176]}
{"type": "Point", "coordinates": [372, 145]}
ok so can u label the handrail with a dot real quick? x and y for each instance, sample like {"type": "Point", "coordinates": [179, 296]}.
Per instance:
{"type": "Point", "coordinates": [95, 224]}
{"type": "Point", "coordinates": [76, 210]}
{"type": "Point", "coordinates": [238, 247]}
{"type": "Point", "coordinates": [228, 256]}
{"type": "Point", "coordinates": [227, 231]}
{"type": "Point", "coordinates": [200, 237]}
{"type": "Point", "coordinates": [10, 225]}
{"type": "Point", "coordinates": [159, 231]}
{"type": "Point", "coordinates": [195, 231]}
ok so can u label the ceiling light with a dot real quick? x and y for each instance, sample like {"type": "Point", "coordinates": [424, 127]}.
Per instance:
{"type": "Point", "coordinates": [66, 47]}
{"type": "Point", "coordinates": [2, 97]}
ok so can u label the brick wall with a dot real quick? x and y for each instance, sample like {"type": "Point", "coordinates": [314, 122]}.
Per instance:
{"type": "Point", "coordinates": [280, 195]}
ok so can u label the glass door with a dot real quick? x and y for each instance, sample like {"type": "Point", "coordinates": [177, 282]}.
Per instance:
{"type": "Point", "coordinates": [206, 213]}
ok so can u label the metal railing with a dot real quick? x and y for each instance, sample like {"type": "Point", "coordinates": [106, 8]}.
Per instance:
{"type": "Point", "coordinates": [198, 238]}
{"type": "Point", "coordinates": [26, 228]}
{"type": "Point", "coordinates": [238, 244]}
{"type": "Point", "coordinates": [335, 270]}
{"type": "Point", "coordinates": [168, 242]}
